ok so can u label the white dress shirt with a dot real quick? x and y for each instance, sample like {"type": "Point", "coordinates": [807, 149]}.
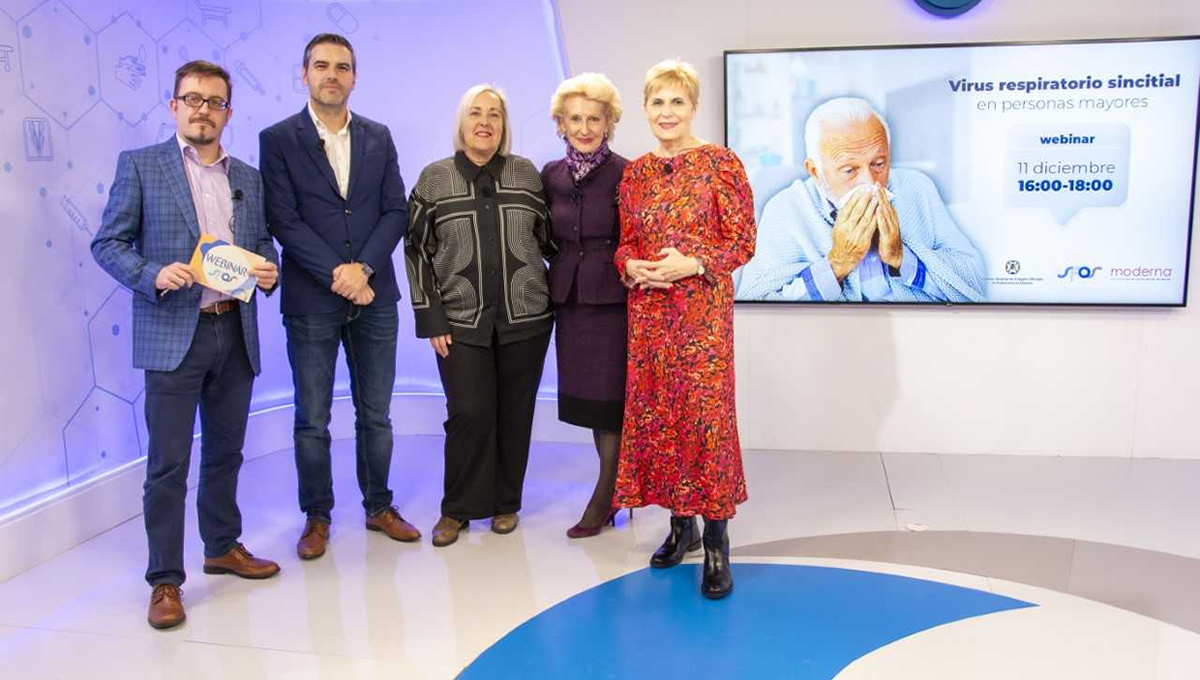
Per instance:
{"type": "Point", "coordinates": [337, 148]}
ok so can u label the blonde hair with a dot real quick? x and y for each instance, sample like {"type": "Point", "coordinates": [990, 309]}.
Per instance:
{"type": "Point", "coordinates": [464, 105]}
{"type": "Point", "coordinates": [672, 72]}
{"type": "Point", "coordinates": [593, 86]}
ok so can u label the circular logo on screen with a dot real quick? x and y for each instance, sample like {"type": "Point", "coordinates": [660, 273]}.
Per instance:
{"type": "Point", "coordinates": [1013, 267]}
{"type": "Point", "coordinates": [947, 8]}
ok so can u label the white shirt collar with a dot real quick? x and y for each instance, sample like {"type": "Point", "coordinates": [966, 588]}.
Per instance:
{"type": "Point", "coordinates": [322, 128]}
{"type": "Point", "coordinates": [186, 149]}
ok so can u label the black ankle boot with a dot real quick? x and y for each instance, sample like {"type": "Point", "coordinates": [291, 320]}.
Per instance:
{"type": "Point", "coordinates": [718, 576]}
{"type": "Point", "coordinates": [684, 538]}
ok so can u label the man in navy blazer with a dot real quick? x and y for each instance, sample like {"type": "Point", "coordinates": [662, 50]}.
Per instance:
{"type": "Point", "coordinates": [335, 202]}
{"type": "Point", "coordinates": [197, 346]}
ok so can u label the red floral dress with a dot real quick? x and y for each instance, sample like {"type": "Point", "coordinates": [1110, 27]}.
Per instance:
{"type": "Point", "coordinates": [679, 443]}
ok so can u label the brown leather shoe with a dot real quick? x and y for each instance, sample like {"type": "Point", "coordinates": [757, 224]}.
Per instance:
{"type": "Point", "coordinates": [447, 529]}
{"type": "Point", "coordinates": [240, 562]}
{"type": "Point", "coordinates": [504, 524]}
{"type": "Point", "coordinates": [396, 527]}
{"type": "Point", "coordinates": [166, 606]}
{"type": "Point", "coordinates": [314, 540]}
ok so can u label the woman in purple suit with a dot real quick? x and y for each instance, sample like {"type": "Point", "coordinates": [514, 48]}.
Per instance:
{"type": "Point", "coordinates": [581, 190]}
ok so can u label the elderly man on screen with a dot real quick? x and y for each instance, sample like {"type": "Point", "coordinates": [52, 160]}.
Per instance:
{"type": "Point", "coordinates": [857, 230]}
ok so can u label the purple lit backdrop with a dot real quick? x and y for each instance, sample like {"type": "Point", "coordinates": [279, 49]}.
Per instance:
{"type": "Point", "coordinates": [81, 80]}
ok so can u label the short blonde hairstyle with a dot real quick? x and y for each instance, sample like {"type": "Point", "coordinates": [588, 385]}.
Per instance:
{"type": "Point", "coordinates": [593, 86]}
{"type": "Point", "coordinates": [672, 72]}
{"type": "Point", "coordinates": [464, 105]}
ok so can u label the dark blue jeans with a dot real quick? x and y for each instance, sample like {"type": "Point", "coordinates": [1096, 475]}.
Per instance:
{"type": "Point", "coordinates": [368, 335]}
{"type": "Point", "coordinates": [215, 375]}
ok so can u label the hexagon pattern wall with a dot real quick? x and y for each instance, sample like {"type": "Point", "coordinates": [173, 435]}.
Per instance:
{"type": "Point", "coordinates": [81, 80]}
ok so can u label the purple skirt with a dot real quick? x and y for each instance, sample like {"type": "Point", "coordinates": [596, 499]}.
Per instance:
{"type": "Point", "coordinates": [590, 344]}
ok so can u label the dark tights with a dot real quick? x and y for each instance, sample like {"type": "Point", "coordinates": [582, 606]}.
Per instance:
{"type": "Point", "coordinates": [607, 445]}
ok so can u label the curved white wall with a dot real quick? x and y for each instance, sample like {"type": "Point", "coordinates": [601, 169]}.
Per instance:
{"type": "Point", "coordinates": [1110, 382]}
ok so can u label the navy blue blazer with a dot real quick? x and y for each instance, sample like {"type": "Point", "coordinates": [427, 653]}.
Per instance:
{"type": "Point", "coordinates": [317, 228]}
{"type": "Point", "coordinates": [150, 222]}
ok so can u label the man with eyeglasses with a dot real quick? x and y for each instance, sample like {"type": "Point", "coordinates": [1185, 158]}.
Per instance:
{"type": "Point", "coordinates": [199, 348]}
{"type": "Point", "coordinates": [336, 203]}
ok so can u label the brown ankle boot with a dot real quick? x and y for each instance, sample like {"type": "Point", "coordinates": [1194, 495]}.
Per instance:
{"type": "Point", "coordinates": [505, 523]}
{"type": "Point", "coordinates": [447, 529]}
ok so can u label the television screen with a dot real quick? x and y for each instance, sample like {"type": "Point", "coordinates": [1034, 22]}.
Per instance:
{"type": "Point", "coordinates": [1002, 174]}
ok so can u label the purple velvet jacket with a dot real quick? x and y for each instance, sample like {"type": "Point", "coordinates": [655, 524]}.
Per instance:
{"type": "Point", "coordinates": [587, 229]}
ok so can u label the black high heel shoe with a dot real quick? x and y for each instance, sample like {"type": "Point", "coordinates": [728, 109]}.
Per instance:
{"type": "Point", "coordinates": [718, 576]}
{"type": "Point", "coordinates": [684, 538]}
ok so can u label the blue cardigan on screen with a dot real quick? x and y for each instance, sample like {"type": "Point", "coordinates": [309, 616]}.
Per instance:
{"type": "Point", "coordinates": [795, 236]}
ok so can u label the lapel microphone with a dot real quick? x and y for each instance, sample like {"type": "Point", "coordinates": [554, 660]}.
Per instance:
{"type": "Point", "coordinates": [237, 198]}
{"type": "Point", "coordinates": [320, 144]}
{"type": "Point", "coordinates": [668, 168]}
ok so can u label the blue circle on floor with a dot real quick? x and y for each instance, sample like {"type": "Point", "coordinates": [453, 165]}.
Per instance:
{"type": "Point", "coordinates": [782, 621]}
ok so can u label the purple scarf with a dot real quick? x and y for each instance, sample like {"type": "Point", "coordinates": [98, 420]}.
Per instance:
{"type": "Point", "coordinates": [580, 164]}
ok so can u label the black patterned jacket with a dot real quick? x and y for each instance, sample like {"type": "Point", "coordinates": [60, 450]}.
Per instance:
{"type": "Point", "coordinates": [475, 252]}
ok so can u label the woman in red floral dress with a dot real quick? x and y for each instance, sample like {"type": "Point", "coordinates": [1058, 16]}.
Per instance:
{"type": "Point", "coordinates": [687, 221]}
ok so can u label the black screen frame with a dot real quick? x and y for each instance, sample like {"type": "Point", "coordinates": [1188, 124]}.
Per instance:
{"type": "Point", "coordinates": [922, 305]}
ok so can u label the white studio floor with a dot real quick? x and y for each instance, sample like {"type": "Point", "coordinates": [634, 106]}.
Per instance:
{"type": "Point", "coordinates": [1106, 551]}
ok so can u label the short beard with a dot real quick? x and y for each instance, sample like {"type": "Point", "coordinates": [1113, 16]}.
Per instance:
{"type": "Point", "coordinates": [332, 100]}
{"type": "Point", "coordinates": [823, 189]}
{"type": "Point", "coordinates": [196, 140]}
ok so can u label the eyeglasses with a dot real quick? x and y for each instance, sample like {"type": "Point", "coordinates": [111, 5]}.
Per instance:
{"type": "Point", "coordinates": [195, 101]}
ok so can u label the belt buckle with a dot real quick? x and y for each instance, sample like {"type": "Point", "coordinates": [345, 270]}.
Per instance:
{"type": "Point", "coordinates": [218, 308]}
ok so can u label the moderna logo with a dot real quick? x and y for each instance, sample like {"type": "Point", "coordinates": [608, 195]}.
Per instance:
{"type": "Point", "coordinates": [1141, 273]}
{"type": "Point", "coordinates": [1082, 272]}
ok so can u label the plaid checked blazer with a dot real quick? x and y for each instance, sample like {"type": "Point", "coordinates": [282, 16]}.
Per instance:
{"type": "Point", "coordinates": [150, 221]}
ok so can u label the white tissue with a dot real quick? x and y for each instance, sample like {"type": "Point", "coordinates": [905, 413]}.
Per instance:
{"type": "Point", "coordinates": [841, 202]}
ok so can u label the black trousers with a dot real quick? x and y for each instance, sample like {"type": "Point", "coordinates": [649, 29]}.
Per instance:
{"type": "Point", "coordinates": [490, 396]}
{"type": "Point", "coordinates": [216, 376]}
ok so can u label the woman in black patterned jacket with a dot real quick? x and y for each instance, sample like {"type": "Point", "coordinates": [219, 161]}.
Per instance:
{"type": "Point", "coordinates": [475, 254]}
